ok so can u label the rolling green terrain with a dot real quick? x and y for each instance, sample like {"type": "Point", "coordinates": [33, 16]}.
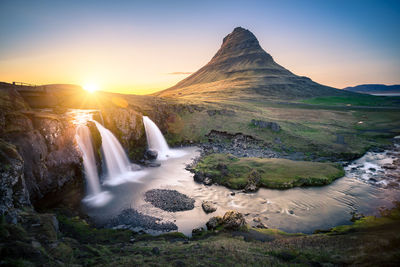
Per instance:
{"type": "Point", "coordinates": [334, 133]}
{"type": "Point", "coordinates": [356, 100]}
{"type": "Point", "coordinates": [276, 173]}
{"type": "Point", "coordinates": [370, 241]}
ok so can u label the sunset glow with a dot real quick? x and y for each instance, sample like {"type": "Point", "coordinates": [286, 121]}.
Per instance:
{"type": "Point", "coordinates": [91, 87]}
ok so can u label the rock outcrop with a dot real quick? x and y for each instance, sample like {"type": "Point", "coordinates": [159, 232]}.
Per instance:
{"type": "Point", "coordinates": [232, 220]}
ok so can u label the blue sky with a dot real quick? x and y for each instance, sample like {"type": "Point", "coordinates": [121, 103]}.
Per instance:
{"type": "Point", "coordinates": [132, 46]}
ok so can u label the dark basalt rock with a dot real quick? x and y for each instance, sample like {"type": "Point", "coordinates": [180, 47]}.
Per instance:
{"type": "Point", "coordinates": [151, 154]}
{"type": "Point", "coordinates": [169, 200]}
{"type": "Point", "coordinates": [131, 219]}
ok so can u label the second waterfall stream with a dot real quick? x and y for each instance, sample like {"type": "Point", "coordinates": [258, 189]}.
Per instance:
{"type": "Point", "coordinates": [156, 141]}
{"type": "Point", "coordinates": [119, 169]}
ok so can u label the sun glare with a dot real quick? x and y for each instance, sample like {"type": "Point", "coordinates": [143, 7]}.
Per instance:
{"type": "Point", "coordinates": [90, 87]}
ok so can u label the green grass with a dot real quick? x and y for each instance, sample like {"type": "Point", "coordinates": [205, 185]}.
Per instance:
{"type": "Point", "coordinates": [358, 100]}
{"type": "Point", "coordinates": [276, 173]}
{"type": "Point", "coordinates": [372, 241]}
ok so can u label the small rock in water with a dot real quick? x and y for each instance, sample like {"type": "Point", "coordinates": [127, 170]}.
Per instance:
{"type": "Point", "coordinates": [153, 164]}
{"type": "Point", "coordinates": [291, 211]}
{"type": "Point", "coordinates": [356, 216]}
{"type": "Point", "coordinates": [207, 181]}
{"type": "Point", "coordinates": [260, 225]}
{"type": "Point", "coordinates": [197, 231]}
{"type": "Point", "coordinates": [151, 154]}
{"type": "Point", "coordinates": [169, 200]}
{"type": "Point", "coordinates": [257, 219]}
{"type": "Point", "coordinates": [208, 207]}
{"type": "Point", "coordinates": [233, 193]}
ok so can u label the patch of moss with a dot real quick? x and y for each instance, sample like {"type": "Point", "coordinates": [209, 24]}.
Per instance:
{"type": "Point", "coordinates": [83, 232]}
{"type": "Point", "coordinates": [275, 173]}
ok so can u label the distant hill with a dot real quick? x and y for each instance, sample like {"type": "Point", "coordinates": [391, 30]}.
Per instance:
{"type": "Point", "coordinates": [375, 89]}
{"type": "Point", "coordinates": [242, 69]}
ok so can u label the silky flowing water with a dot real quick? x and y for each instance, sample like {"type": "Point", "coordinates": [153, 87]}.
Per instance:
{"type": "Point", "coordinates": [302, 209]}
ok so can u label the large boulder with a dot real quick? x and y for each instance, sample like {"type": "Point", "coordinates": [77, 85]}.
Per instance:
{"type": "Point", "coordinates": [233, 220]}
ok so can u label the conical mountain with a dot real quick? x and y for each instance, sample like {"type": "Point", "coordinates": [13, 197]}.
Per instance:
{"type": "Point", "coordinates": [242, 69]}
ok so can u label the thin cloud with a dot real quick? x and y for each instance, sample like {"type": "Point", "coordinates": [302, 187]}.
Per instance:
{"type": "Point", "coordinates": [180, 73]}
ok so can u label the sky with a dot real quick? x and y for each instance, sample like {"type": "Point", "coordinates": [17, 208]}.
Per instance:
{"type": "Point", "coordinates": [141, 47]}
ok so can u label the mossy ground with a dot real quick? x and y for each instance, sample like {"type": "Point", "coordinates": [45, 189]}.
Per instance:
{"type": "Point", "coordinates": [276, 173]}
{"type": "Point", "coordinates": [370, 241]}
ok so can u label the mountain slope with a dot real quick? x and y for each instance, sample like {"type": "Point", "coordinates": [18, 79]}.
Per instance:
{"type": "Point", "coordinates": [375, 89]}
{"type": "Point", "coordinates": [242, 69]}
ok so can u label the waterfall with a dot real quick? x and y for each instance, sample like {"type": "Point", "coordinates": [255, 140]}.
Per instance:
{"type": "Point", "coordinates": [119, 169]}
{"type": "Point", "coordinates": [89, 163]}
{"type": "Point", "coordinates": [156, 141]}
{"type": "Point", "coordinates": [95, 196]}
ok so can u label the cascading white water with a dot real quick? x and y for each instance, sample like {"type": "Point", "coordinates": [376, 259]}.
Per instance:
{"type": "Point", "coordinates": [156, 141]}
{"type": "Point", "coordinates": [119, 169]}
{"type": "Point", "coordinates": [95, 197]}
{"type": "Point", "coordinates": [89, 163]}
{"type": "Point", "coordinates": [116, 160]}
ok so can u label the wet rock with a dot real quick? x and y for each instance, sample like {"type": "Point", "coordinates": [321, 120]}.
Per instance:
{"type": "Point", "coordinates": [169, 200]}
{"type": "Point", "coordinates": [253, 182]}
{"type": "Point", "coordinates": [214, 222]}
{"type": "Point", "coordinates": [260, 225]}
{"type": "Point", "coordinates": [151, 154]}
{"type": "Point", "coordinates": [208, 207]}
{"type": "Point", "coordinates": [233, 193]}
{"type": "Point", "coordinates": [257, 219]}
{"type": "Point", "coordinates": [132, 219]}
{"type": "Point", "coordinates": [233, 220]}
{"type": "Point", "coordinates": [207, 181]}
{"type": "Point", "coordinates": [389, 166]}
{"type": "Point", "coordinates": [197, 231]}
{"type": "Point", "coordinates": [355, 216]}
{"type": "Point", "coordinates": [152, 164]}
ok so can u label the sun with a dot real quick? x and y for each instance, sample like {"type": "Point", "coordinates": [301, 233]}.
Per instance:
{"type": "Point", "coordinates": [91, 87]}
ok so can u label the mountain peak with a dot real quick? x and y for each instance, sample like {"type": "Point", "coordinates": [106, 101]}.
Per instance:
{"type": "Point", "coordinates": [239, 42]}
{"type": "Point", "coordinates": [242, 67]}
{"type": "Point", "coordinates": [240, 34]}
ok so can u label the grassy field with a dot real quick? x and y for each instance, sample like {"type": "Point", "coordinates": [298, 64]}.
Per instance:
{"type": "Point", "coordinates": [358, 100]}
{"type": "Point", "coordinates": [276, 173]}
{"type": "Point", "coordinates": [317, 131]}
